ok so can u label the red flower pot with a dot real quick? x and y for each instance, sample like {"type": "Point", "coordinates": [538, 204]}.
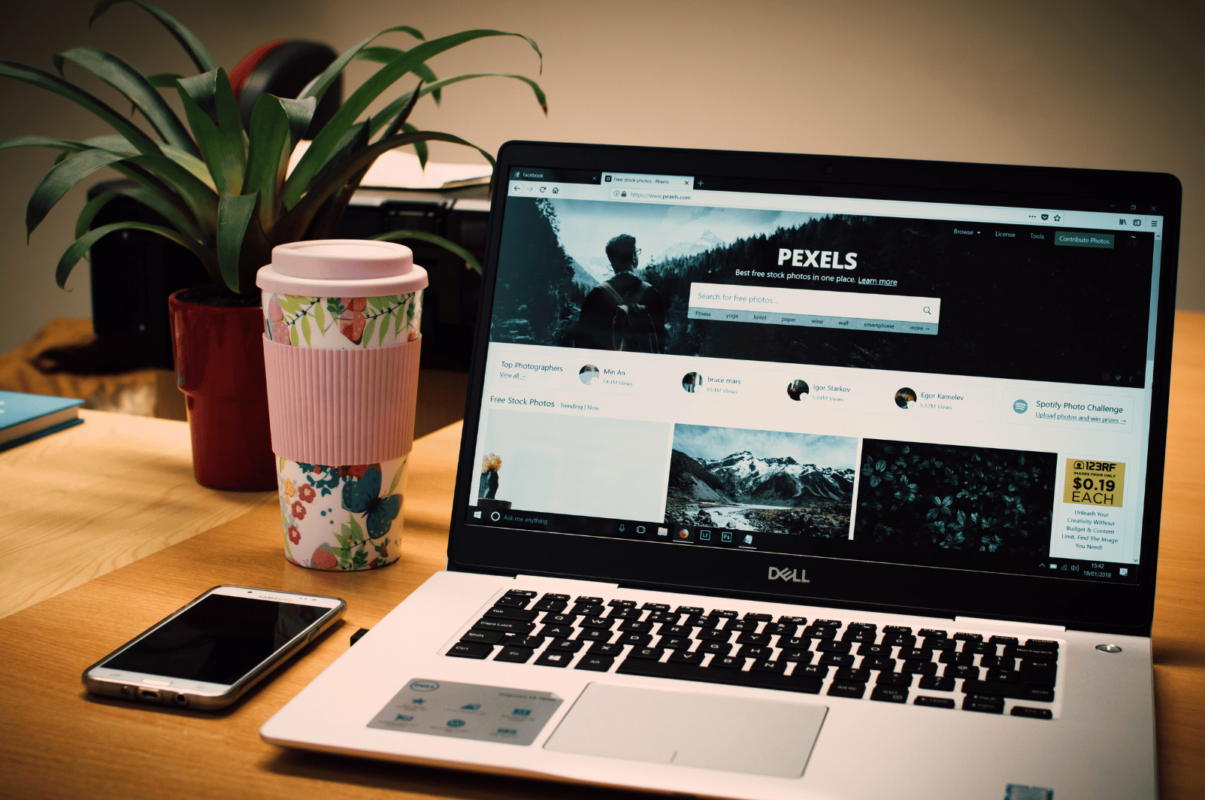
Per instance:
{"type": "Point", "coordinates": [219, 352]}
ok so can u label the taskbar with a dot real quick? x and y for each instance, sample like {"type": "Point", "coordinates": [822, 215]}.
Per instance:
{"type": "Point", "coordinates": [499, 514]}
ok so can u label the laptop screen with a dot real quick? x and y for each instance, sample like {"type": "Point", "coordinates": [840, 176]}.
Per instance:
{"type": "Point", "coordinates": [697, 361]}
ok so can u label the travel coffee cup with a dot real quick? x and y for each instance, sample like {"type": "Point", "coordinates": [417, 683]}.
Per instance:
{"type": "Point", "coordinates": [341, 346]}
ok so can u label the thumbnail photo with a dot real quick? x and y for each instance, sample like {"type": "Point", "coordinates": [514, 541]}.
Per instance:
{"type": "Point", "coordinates": [979, 499]}
{"type": "Point", "coordinates": [797, 389]}
{"type": "Point", "coordinates": [786, 483]}
{"type": "Point", "coordinates": [691, 382]}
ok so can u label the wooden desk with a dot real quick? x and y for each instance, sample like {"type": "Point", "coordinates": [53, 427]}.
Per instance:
{"type": "Point", "coordinates": [57, 742]}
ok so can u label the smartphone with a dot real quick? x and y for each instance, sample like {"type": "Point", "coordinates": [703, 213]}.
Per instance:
{"type": "Point", "coordinates": [209, 653]}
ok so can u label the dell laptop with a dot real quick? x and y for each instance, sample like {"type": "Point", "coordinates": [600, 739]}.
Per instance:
{"type": "Point", "coordinates": [790, 476]}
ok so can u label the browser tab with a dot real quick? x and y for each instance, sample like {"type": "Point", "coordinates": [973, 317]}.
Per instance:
{"type": "Point", "coordinates": [627, 180]}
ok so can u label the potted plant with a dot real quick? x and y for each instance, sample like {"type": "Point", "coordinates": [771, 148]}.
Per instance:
{"type": "Point", "coordinates": [227, 195]}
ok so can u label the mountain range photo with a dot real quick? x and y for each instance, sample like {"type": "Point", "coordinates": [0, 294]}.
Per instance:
{"type": "Point", "coordinates": [785, 483]}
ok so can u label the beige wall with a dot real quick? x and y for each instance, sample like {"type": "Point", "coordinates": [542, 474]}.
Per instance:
{"type": "Point", "coordinates": [1115, 85]}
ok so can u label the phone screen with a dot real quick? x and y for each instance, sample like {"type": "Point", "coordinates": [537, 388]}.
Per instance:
{"type": "Point", "coordinates": [218, 640]}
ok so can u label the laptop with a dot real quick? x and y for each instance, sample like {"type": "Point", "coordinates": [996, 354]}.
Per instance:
{"type": "Point", "coordinates": [794, 476]}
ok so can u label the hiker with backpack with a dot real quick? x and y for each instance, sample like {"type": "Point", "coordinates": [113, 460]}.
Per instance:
{"type": "Point", "coordinates": [623, 313]}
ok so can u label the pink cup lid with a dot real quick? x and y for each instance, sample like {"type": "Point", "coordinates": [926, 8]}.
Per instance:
{"type": "Point", "coordinates": [342, 268]}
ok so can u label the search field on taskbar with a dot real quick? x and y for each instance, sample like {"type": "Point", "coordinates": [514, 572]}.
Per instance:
{"type": "Point", "coordinates": [770, 305]}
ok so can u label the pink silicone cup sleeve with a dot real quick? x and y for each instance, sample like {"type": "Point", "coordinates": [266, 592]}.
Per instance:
{"type": "Point", "coordinates": [336, 407]}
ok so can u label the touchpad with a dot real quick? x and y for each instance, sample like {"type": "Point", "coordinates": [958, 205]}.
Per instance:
{"type": "Point", "coordinates": [694, 730]}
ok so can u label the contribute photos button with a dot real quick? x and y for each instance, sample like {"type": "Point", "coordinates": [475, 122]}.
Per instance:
{"type": "Point", "coordinates": [1078, 239]}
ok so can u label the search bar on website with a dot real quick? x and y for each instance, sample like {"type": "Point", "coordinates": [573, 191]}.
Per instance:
{"type": "Point", "coordinates": [815, 309]}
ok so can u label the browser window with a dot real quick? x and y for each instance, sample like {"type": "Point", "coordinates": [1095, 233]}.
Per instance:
{"type": "Point", "coordinates": [676, 359]}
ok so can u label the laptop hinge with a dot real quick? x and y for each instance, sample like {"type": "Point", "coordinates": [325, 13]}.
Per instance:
{"type": "Point", "coordinates": [1026, 625]}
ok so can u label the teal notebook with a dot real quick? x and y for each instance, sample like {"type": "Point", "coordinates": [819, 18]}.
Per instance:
{"type": "Point", "coordinates": [25, 417]}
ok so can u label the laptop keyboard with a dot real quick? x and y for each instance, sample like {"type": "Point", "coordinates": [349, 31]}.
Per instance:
{"type": "Point", "coordinates": [891, 664]}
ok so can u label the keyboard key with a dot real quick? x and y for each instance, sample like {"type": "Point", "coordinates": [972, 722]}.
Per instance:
{"type": "Point", "coordinates": [969, 637]}
{"type": "Point", "coordinates": [635, 639]}
{"type": "Point", "coordinates": [690, 610]}
{"type": "Point", "coordinates": [1003, 675]}
{"type": "Point", "coordinates": [656, 607]}
{"type": "Point", "coordinates": [554, 658]}
{"type": "Point", "coordinates": [893, 679]}
{"type": "Point", "coordinates": [902, 629]}
{"type": "Point", "coordinates": [781, 629]}
{"type": "Point", "coordinates": [1029, 652]}
{"type": "Point", "coordinates": [685, 657]}
{"type": "Point", "coordinates": [1005, 640]}
{"type": "Point", "coordinates": [713, 636]}
{"type": "Point", "coordinates": [956, 658]}
{"type": "Point", "coordinates": [588, 609]}
{"type": "Point", "coordinates": [504, 625]}
{"type": "Point", "coordinates": [936, 702]}
{"type": "Point", "coordinates": [1018, 691]}
{"type": "Point", "coordinates": [604, 649]}
{"type": "Point", "coordinates": [715, 648]}
{"type": "Point", "coordinates": [727, 662]}
{"type": "Point", "coordinates": [484, 637]}
{"type": "Point", "coordinates": [961, 671]}
{"type": "Point", "coordinates": [557, 631]}
{"type": "Point", "coordinates": [594, 635]}
{"type": "Point", "coordinates": [810, 671]}
{"type": "Point", "coordinates": [706, 623]}
{"type": "Point", "coordinates": [602, 623]}
{"type": "Point", "coordinates": [983, 703]}
{"type": "Point", "coordinates": [517, 655]}
{"type": "Point", "coordinates": [917, 667]}
{"type": "Point", "coordinates": [513, 601]}
{"type": "Point", "coordinates": [667, 629]}
{"type": "Point", "coordinates": [930, 633]}
{"type": "Point", "coordinates": [1042, 644]}
{"type": "Point", "coordinates": [554, 618]}
{"type": "Point", "coordinates": [846, 689]}
{"type": "Point", "coordinates": [633, 626]}
{"type": "Point", "coordinates": [796, 655]}
{"type": "Point", "coordinates": [663, 616]}
{"type": "Point", "coordinates": [859, 635]}
{"type": "Point", "coordinates": [751, 616]}
{"type": "Point", "coordinates": [622, 604]}
{"type": "Point", "coordinates": [889, 694]}
{"type": "Point", "coordinates": [719, 612]}
{"type": "Point", "coordinates": [875, 650]}
{"type": "Point", "coordinates": [851, 674]}
{"type": "Point", "coordinates": [980, 648]}
{"type": "Point", "coordinates": [828, 646]}
{"type": "Point", "coordinates": [793, 641]}
{"type": "Point", "coordinates": [470, 650]}
{"type": "Point", "coordinates": [711, 674]}
{"type": "Point", "coordinates": [828, 623]}
{"type": "Point", "coordinates": [1039, 673]}
{"type": "Point", "coordinates": [597, 601]}
{"type": "Point", "coordinates": [816, 632]}
{"type": "Point", "coordinates": [836, 660]}
{"type": "Point", "coordinates": [675, 642]}
{"type": "Point", "coordinates": [741, 625]}
{"type": "Point", "coordinates": [1035, 713]}
{"type": "Point", "coordinates": [898, 640]}
{"type": "Point", "coordinates": [755, 651]}
{"type": "Point", "coordinates": [785, 620]}
{"type": "Point", "coordinates": [914, 654]}
{"type": "Point", "coordinates": [935, 684]}
{"type": "Point", "coordinates": [878, 663]}
{"type": "Point", "coordinates": [625, 613]}
{"type": "Point", "coordinates": [939, 645]}
{"type": "Point", "coordinates": [532, 642]}
{"type": "Point", "coordinates": [647, 653]}
{"type": "Point", "coordinates": [997, 662]}
{"type": "Point", "coordinates": [763, 665]}
{"type": "Point", "coordinates": [566, 645]}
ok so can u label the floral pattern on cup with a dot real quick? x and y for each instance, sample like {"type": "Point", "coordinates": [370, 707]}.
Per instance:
{"type": "Point", "coordinates": [342, 518]}
{"type": "Point", "coordinates": [342, 322]}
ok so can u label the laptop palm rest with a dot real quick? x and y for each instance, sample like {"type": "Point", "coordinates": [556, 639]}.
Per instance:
{"type": "Point", "coordinates": [694, 730]}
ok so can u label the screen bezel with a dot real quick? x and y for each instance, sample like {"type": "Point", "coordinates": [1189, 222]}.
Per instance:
{"type": "Point", "coordinates": [1079, 604]}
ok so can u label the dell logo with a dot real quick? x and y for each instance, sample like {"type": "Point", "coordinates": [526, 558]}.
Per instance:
{"type": "Point", "coordinates": [789, 575]}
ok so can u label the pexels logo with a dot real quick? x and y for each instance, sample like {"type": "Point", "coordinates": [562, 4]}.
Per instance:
{"type": "Point", "coordinates": [789, 575]}
{"type": "Point", "coordinates": [820, 259]}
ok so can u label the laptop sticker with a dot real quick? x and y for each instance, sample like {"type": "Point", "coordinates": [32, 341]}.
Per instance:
{"type": "Point", "coordinates": [468, 711]}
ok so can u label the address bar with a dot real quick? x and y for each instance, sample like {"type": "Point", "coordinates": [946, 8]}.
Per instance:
{"type": "Point", "coordinates": [854, 305]}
